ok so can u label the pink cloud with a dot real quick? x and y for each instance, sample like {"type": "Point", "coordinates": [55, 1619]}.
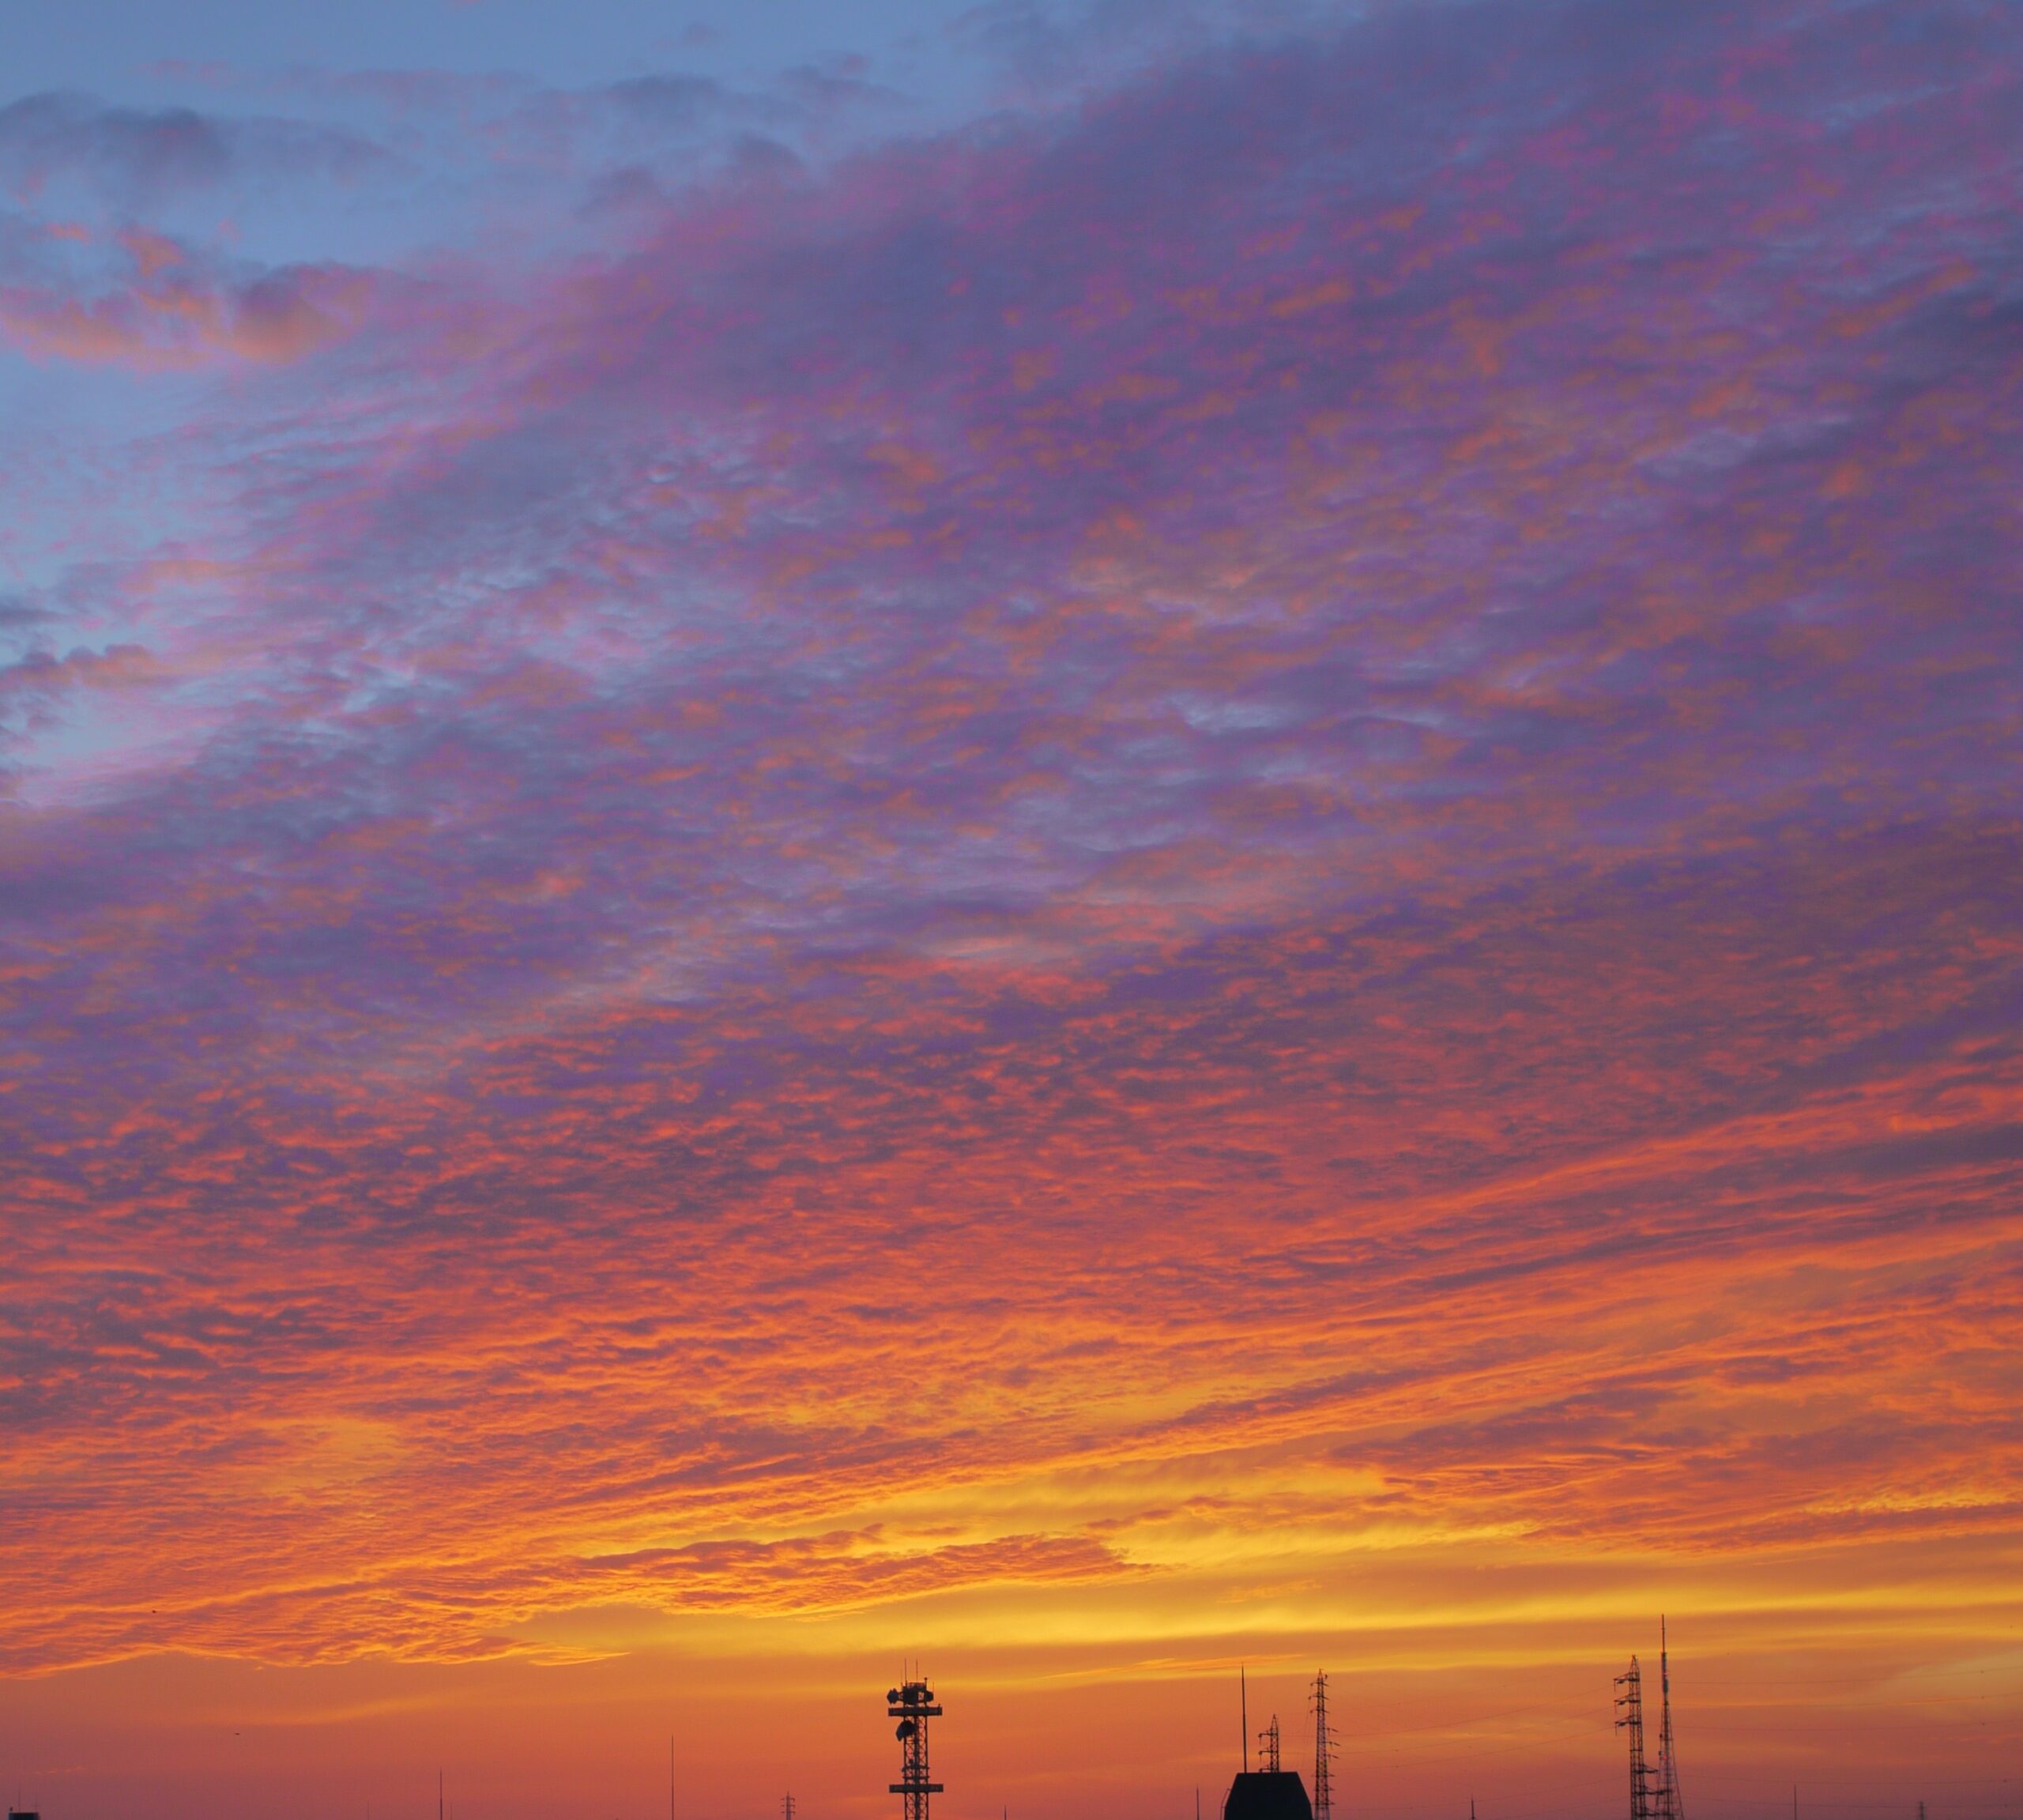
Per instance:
{"type": "Point", "coordinates": [173, 314]}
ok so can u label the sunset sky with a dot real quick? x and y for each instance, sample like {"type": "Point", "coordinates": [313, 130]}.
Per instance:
{"type": "Point", "coordinates": [1095, 841]}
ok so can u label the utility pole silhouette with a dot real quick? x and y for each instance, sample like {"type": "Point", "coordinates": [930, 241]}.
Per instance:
{"type": "Point", "coordinates": [1629, 1705]}
{"type": "Point", "coordinates": [1324, 1752]}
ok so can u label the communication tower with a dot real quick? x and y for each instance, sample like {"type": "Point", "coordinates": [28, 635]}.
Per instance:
{"type": "Point", "coordinates": [1630, 1707]}
{"type": "Point", "coordinates": [1323, 1753]}
{"type": "Point", "coordinates": [1666, 1804]}
{"type": "Point", "coordinates": [912, 1705]}
{"type": "Point", "coordinates": [1269, 1739]}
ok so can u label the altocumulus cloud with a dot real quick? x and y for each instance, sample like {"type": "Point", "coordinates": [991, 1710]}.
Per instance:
{"type": "Point", "coordinates": [1355, 687]}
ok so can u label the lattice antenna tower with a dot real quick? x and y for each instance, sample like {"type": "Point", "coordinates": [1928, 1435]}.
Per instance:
{"type": "Point", "coordinates": [1666, 1804]}
{"type": "Point", "coordinates": [786, 1807]}
{"type": "Point", "coordinates": [912, 1705]}
{"type": "Point", "coordinates": [1323, 1753]}
{"type": "Point", "coordinates": [1269, 1739]}
{"type": "Point", "coordinates": [1629, 1717]}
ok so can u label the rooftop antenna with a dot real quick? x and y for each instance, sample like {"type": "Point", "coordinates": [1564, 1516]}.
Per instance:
{"type": "Point", "coordinates": [786, 1807]}
{"type": "Point", "coordinates": [438, 1795]}
{"type": "Point", "coordinates": [1629, 1704]}
{"type": "Point", "coordinates": [1243, 1706]}
{"type": "Point", "coordinates": [1667, 1805]}
{"type": "Point", "coordinates": [912, 1704]}
{"type": "Point", "coordinates": [1324, 1752]}
{"type": "Point", "coordinates": [1269, 1739]}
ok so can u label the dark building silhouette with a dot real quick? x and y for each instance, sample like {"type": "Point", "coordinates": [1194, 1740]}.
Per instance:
{"type": "Point", "coordinates": [1268, 1794]}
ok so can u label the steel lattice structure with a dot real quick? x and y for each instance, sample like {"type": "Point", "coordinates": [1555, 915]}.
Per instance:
{"type": "Point", "coordinates": [912, 1705]}
{"type": "Point", "coordinates": [1323, 1753]}
{"type": "Point", "coordinates": [1629, 1708]}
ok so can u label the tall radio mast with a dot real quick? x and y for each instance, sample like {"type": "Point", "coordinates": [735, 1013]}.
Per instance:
{"type": "Point", "coordinates": [1665, 1805]}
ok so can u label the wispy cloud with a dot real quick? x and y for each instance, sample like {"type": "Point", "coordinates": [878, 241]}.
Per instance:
{"type": "Point", "coordinates": [139, 155]}
{"type": "Point", "coordinates": [170, 309]}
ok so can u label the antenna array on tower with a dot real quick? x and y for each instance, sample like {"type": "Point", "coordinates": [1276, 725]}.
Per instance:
{"type": "Point", "coordinates": [912, 1705]}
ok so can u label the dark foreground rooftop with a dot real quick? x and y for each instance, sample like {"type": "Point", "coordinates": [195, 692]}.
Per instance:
{"type": "Point", "coordinates": [1268, 1794]}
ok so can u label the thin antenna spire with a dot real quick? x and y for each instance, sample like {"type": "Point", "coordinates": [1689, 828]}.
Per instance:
{"type": "Point", "coordinates": [1243, 1704]}
{"type": "Point", "coordinates": [1667, 1805]}
{"type": "Point", "coordinates": [438, 1795]}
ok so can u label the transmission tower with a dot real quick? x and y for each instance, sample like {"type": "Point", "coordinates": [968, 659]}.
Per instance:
{"type": "Point", "coordinates": [912, 1706]}
{"type": "Point", "coordinates": [1629, 1705]}
{"type": "Point", "coordinates": [1269, 1739]}
{"type": "Point", "coordinates": [786, 1807]}
{"type": "Point", "coordinates": [1323, 1753]}
{"type": "Point", "coordinates": [1665, 1805]}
